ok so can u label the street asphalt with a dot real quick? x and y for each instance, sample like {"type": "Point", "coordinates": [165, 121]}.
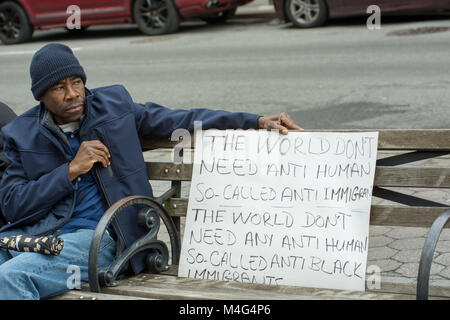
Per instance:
{"type": "Point", "coordinates": [342, 75]}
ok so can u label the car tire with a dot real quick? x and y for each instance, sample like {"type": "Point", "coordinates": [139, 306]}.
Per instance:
{"type": "Point", "coordinates": [15, 27]}
{"type": "Point", "coordinates": [220, 17]}
{"type": "Point", "coordinates": [155, 17]}
{"type": "Point", "coordinates": [306, 13]}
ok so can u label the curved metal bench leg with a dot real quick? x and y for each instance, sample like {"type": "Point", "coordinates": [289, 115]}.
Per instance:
{"type": "Point", "coordinates": [157, 260]}
{"type": "Point", "coordinates": [426, 259]}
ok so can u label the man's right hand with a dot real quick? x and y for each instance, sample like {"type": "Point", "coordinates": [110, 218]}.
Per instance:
{"type": "Point", "coordinates": [88, 154]}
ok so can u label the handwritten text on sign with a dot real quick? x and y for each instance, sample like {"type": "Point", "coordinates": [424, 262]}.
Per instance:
{"type": "Point", "coordinates": [280, 209]}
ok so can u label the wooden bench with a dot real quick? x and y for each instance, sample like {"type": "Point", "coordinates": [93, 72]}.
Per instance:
{"type": "Point", "coordinates": [411, 189]}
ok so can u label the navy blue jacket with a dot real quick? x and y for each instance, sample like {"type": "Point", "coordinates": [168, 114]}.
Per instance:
{"type": "Point", "coordinates": [36, 194]}
{"type": "Point", "coordinates": [6, 116]}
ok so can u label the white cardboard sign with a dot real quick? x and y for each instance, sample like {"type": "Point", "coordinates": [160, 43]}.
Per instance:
{"type": "Point", "coordinates": [280, 209]}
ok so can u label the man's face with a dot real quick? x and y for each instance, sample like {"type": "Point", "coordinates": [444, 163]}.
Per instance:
{"type": "Point", "coordinates": [65, 100]}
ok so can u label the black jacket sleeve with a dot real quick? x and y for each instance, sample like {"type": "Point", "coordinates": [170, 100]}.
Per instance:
{"type": "Point", "coordinates": [6, 116]}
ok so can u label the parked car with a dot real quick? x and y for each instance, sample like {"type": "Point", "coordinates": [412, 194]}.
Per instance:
{"type": "Point", "coordinates": [19, 18]}
{"type": "Point", "coordinates": [313, 13]}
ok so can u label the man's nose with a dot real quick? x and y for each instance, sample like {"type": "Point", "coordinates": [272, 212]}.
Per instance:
{"type": "Point", "coordinates": [71, 93]}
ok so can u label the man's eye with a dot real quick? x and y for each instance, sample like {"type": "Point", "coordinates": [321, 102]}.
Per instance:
{"type": "Point", "coordinates": [58, 88]}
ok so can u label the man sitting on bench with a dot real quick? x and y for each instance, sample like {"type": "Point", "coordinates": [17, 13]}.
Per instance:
{"type": "Point", "coordinates": [72, 156]}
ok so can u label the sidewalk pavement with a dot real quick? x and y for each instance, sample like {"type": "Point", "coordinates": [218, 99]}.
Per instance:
{"type": "Point", "coordinates": [397, 250]}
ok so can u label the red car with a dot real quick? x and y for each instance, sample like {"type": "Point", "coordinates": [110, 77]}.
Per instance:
{"type": "Point", "coordinates": [313, 13]}
{"type": "Point", "coordinates": [19, 18]}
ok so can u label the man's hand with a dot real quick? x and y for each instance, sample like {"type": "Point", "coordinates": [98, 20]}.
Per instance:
{"type": "Point", "coordinates": [88, 154]}
{"type": "Point", "coordinates": [281, 122]}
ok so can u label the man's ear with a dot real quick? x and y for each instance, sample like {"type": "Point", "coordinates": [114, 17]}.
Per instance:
{"type": "Point", "coordinates": [42, 97]}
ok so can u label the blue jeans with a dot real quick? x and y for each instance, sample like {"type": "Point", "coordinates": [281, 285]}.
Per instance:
{"type": "Point", "coordinates": [29, 275]}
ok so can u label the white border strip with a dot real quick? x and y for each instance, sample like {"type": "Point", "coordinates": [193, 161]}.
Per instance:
{"type": "Point", "coordinates": [11, 53]}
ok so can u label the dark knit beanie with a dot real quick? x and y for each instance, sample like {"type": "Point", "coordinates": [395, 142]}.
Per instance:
{"type": "Point", "coordinates": [50, 64]}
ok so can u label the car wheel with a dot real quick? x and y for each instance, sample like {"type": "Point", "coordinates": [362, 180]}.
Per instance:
{"type": "Point", "coordinates": [221, 16]}
{"type": "Point", "coordinates": [155, 17]}
{"type": "Point", "coordinates": [14, 24]}
{"type": "Point", "coordinates": [306, 13]}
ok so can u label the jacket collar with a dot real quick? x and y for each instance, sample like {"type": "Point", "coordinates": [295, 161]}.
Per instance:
{"type": "Point", "coordinates": [47, 122]}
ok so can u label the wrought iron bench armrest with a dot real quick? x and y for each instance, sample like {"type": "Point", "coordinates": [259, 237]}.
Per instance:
{"type": "Point", "coordinates": [156, 262]}
{"type": "Point", "coordinates": [426, 258]}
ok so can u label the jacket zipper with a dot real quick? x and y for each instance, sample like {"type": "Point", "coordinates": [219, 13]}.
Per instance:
{"type": "Point", "coordinates": [102, 187]}
{"type": "Point", "coordinates": [108, 202]}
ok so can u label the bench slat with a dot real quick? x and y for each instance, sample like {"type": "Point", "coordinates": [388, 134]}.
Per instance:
{"type": "Point", "coordinates": [389, 139]}
{"type": "Point", "coordinates": [389, 284]}
{"type": "Point", "coordinates": [417, 177]}
{"type": "Point", "coordinates": [169, 171]}
{"type": "Point", "coordinates": [384, 176]}
{"type": "Point", "coordinates": [381, 215]}
{"type": "Point", "coordinates": [170, 287]}
{"type": "Point", "coordinates": [85, 294]}
{"type": "Point", "coordinates": [436, 139]}
{"type": "Point", "coordinates": [384, 215]}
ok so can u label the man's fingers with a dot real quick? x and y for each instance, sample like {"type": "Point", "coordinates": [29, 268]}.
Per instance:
{"type": "Point", "coordinates": [281, 122]}
{"type": "Point", "coordinates": [286, 121]}
{"type": "Point", "coordinates": [88, 154]}
{"type": "Point", "coordinates": [274, 117]}
{"type": "Point", "coordinates": [275, 126]}
{"type": "Point", "coordinates": [96, 151]}
{"type": "Point", "coordinates": [99, 145]}
{"type": "Point", "coordinates": [101, 156]}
